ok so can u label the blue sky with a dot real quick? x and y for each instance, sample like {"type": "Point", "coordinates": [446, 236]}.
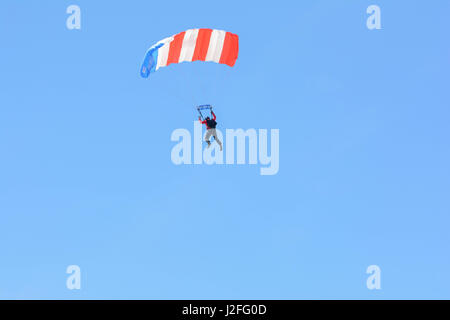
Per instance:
{"type": "Point", "coordinates": [86, 176]}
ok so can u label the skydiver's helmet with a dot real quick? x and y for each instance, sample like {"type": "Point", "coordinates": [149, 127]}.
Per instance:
{"type": "Point", "coordinates": [208, 118]}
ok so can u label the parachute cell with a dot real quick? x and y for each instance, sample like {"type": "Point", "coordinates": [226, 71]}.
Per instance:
{"type": "Point", "coordinates": [192, 45]}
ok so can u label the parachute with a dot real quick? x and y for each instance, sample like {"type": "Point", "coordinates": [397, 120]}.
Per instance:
{"type": "Point", "coordinates": [192, 45]}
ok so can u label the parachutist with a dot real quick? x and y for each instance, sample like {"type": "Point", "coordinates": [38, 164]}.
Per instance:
{"type": "Point", "coordinates": [211, 129]}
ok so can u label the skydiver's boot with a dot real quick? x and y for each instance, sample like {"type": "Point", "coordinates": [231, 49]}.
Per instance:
{"type": "Point", "coordinates": [209, 144]}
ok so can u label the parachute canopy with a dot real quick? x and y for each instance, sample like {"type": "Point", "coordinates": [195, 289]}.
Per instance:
{"type": "Point", "coordinates": [192, 45]}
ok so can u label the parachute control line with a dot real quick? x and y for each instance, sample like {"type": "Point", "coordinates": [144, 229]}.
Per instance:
{"type": "Point", "coordinates": [204, 107]}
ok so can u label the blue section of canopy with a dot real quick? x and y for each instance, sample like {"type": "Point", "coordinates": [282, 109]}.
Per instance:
{"type": "Point", "coordinates": [150, 61]}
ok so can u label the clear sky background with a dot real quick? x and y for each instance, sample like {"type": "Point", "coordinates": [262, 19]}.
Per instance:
{"type": "Point", "coordinates": [86, 176]}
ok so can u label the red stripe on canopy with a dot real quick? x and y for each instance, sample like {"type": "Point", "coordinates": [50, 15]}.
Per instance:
{"type": "Point", "coordinates": [175, 48]}
{"type": "Point", "coordinates": [202, 44]}
{"type": "Point", "coordinates": [230, 49]}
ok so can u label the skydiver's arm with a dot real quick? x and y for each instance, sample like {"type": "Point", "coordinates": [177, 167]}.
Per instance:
{"type": "Point", "coordinates": [214, 115]}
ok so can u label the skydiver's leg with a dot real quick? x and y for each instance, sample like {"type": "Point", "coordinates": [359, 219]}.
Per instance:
{"type": "Point", "coordinates": [217, 139]}
{"type": "Point", "coordinates": [207, 136]}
